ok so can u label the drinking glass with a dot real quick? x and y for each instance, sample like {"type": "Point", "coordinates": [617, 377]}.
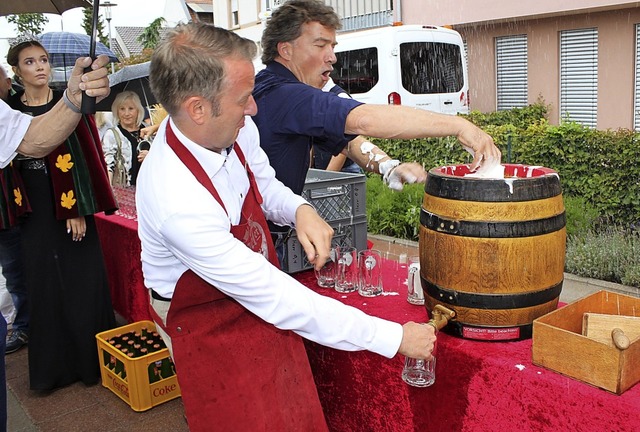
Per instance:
{"type": "Point", "coordinates": [326, 276]}
{"type": "Point", "coordinates": [415, 295]}
{"type": "Point", "coordinates": [369, 273]}
{"type": "Point", "coordinates": [418, 372]}
{"type": "Point", "coordinates": [347, 271]}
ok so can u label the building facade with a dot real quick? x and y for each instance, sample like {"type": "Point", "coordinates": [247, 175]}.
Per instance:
{"type": "Point", "coordinates": [579, 56]}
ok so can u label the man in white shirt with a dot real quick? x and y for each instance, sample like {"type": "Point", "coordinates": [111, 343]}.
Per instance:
{"type": "Point", "coordinates": [38, 136]}
{"type": "Point", "coordinates": [207, 256]}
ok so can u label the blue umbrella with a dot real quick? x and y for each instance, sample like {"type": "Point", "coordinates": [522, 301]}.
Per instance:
{"type": "Point", "coordinates": [65, 48]}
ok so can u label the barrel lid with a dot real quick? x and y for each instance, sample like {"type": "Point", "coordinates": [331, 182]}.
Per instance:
{"type": "Point", "coordinates": [520, 183]}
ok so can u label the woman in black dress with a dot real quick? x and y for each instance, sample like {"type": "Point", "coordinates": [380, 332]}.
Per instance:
{"type": "Point", "coordinates": [66, 280]}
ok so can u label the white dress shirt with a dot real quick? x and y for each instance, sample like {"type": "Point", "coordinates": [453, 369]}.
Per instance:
{"type": "Point", "coordinates": [13, 127]}
{"type": "Point", "coordinates": [181, 226]}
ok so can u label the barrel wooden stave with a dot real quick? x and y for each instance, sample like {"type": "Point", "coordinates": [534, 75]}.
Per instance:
{"type": "Point", "coordinates": [497, 264]}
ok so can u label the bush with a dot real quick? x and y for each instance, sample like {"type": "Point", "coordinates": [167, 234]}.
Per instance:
{"type": "Point", "coordinates": [598, 171]}
{"type": "Point", "coordinates": [581, 216]}
{"type": "Point", "coordinates": [393, 213]}
{"type": "Point", "coordinates": [599, 166]}
{"type": "Point", "coordinates": [612, 254]}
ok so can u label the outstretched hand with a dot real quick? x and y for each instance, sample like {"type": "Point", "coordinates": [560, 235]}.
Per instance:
{"type": "Point", "coordinates": [480, 145]}
{"type": "Point", "coordinates": [408, 172]}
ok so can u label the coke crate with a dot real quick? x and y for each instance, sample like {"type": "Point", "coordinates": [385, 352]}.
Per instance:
{"type": "Point", "coordinates": [347, 233]}
{"type": "Point", "coordinates": [336, 195]}
{"type": "Point", "coordinates": [142, 382]}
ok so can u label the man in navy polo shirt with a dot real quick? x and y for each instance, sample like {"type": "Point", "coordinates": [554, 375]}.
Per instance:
{"type": "Point", "coordinates": [297, 45]}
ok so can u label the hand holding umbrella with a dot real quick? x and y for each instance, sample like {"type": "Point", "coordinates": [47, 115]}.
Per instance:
{"type": "Point", "coordinates": [88, 78]}
{"type": "Point", "coordinates": [88, 102]}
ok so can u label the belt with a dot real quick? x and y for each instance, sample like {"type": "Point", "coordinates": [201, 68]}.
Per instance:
{"type": "Point", "coordinates": [157, 296]}
{"type": "Point", "coordinates": [33, 164]}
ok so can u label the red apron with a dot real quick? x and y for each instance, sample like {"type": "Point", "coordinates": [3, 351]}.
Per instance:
{"type": "Point", "coordinates": [237, 372]}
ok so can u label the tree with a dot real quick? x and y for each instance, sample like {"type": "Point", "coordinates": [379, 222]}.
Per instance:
{"type": "Point", "coordinates": [29, 23]}
{"type": "Point", "coordinates": [150, 37]}
{"type": "Point", "coordinates": [87, 25]}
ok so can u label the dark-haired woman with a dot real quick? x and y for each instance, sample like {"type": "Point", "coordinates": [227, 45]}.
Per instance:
{"type": "Point", "coordinates": [66, 280]}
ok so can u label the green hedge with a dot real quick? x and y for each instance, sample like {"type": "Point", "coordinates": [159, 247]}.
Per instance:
{"type": "Point", "coordinates": [601, 167]}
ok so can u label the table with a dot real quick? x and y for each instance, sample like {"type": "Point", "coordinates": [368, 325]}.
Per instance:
{"type": "Point", "coordinates": [480, 386]}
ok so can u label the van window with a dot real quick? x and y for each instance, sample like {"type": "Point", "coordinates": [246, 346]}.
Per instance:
{"type": "Point", "coordinates": [356, 71]}
{"type": "Point", "coordinates": [431, 67]}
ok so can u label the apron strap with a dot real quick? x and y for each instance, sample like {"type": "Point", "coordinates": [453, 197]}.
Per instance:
{"type": "Point", "coordinates": [194, 166]}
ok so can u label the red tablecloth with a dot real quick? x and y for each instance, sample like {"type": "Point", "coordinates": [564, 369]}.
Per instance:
{"type": "Point", "coordinates": [121, 250]}
{"type": "Point", "coordinates": [480, 386]}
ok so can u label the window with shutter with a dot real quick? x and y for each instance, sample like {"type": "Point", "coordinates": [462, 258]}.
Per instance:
{"type": "Point", "coordinates": [579, 76]}
{"type": "Point", "coordinates": [511, 70]}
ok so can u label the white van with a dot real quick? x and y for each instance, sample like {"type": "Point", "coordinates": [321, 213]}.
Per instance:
{"type": "Point", "coordinates": [415, 65]}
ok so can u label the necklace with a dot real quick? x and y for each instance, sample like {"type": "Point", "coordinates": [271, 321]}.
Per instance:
{"type": "Point", "coordinates": [25, 99]}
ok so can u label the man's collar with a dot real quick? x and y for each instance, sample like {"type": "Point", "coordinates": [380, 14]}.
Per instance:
{"type": "Point", "coordinates": [280, 69]}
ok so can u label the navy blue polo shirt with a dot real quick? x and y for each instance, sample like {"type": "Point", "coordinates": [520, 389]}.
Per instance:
{"type": "Point", "coordinates": [290, 115]}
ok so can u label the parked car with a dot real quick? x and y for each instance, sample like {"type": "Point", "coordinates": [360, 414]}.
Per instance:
{"type": "Point", "coordinates": [421, 66]}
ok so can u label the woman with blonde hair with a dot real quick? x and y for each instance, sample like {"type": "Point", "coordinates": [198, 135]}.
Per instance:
{"type": "Point", "coordinates": [121, 143]}
{"type": "Point", "coordinates": [68, 291]}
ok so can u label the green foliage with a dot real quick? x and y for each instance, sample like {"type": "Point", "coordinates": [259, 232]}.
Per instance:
{"type": "Point", "coordinates": [29, 23]}
{"type": "Point", "coordinates": [581, 216]}
{"type": "Point", "coordinates": [144, 56]}
{"type": "Point", "coordinates": [599, 166]}
{"type": "Point", "coordinates": [87, 25]}
{"type": "Point", "coordinates": [518, 117]}
{"type": "Point", "coordinates": [611, 254]}
{"type": "Point", "coordinates": [598, 170]}
{"type": "Point", "coordinates": [150, 37]}
{"type": "Point", "coordinates": [392, 213]}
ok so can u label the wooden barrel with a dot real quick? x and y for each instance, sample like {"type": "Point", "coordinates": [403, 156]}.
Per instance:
{"type": "Point", "coordinates": [492, 250]}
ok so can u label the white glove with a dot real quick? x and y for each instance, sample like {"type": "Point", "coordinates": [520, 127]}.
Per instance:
{"type": "Point", "coordinates": [389, 174]}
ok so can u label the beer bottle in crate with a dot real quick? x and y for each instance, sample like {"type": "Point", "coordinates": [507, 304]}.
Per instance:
{"type": "Point", "coordinates": [112, 362]}
{"type": "Point", "coordinates": [166, 370]}
{"type": "Point", "coordinates": [154, 371]}
{"type": "Point", "coordinates": [106, 358]}
{"type": "Point", "coordinates": [144, 332]}
{"type": "Point", "coordinates": [137, 348]}
{"type": "Point", "coordinates": [119, 368]}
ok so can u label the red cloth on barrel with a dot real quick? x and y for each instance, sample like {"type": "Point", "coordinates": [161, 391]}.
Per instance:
{"type": "Point", "coordinates": [479, 386]}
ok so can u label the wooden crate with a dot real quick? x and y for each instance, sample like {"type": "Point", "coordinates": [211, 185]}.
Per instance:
{"type": "Point", "coordinates": [558, 343]}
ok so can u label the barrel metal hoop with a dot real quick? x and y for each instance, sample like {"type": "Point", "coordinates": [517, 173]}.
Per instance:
{"type": "Point", "coordinates": [456, 328]}
{"type": "Point", "coordinates": [491, 301]}
{"type": "Point", "coordinates": [483, 229]}
{"type": "Point", "coordinates": [506, 190]}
